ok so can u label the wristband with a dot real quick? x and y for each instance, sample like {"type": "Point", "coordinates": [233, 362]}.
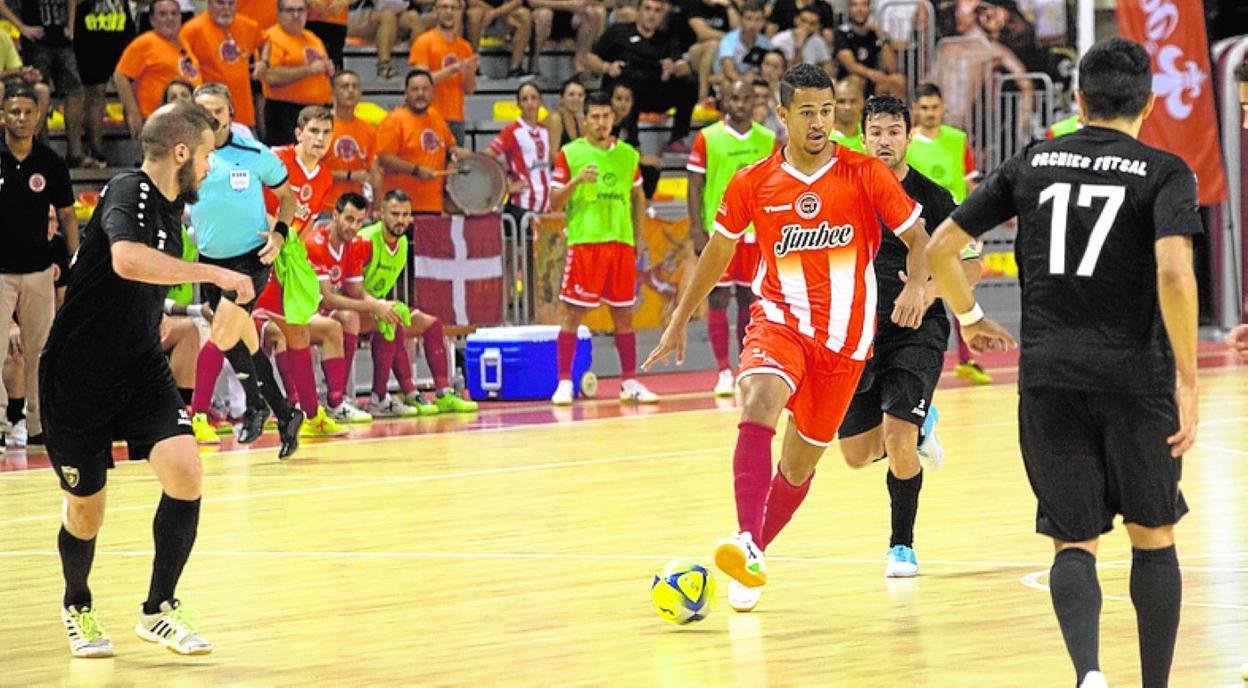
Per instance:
{"type": "Point", "coordinates": [281, 228]}
{"type": "Point", "coordinates": [168, 308]}
{"type": "Point", "coordinates": [971, 317]}
{"type": "Point", "coordinates": [348, 175]}
{"type": "Point", "coordinates": [194, 311]}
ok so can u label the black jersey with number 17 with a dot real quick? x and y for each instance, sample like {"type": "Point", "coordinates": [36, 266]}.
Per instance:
{"type": "Point", "coordinates": [1090, 209]}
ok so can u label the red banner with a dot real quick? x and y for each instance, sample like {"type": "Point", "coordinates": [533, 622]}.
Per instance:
{"type": "Point", "coordinates": [1184, 121]}
{"type": "Point", "coordinates": [457, 268]}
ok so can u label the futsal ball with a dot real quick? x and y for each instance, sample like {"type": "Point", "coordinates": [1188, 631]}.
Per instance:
{"type": "Point", "coordinates": [683, 591]}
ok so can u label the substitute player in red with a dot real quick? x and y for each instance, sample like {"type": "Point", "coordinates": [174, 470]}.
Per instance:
{"type": "Point", "coordinates": [816, 208]}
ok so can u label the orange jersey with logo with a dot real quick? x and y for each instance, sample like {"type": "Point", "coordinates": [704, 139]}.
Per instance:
{"type": "Point", "coordinates": [421, 140]}
{"type": "Point", "coordinates": [311, 187]}
{"type": "Point", "coordinates": [151, 63]}
{"type": "Point", "coordinates": [286, 50]}
{"type": "Point", "coordinates": [223, 56]}
{"type": "Point", "coordinates": [340, 265]}
{"type": "Point", "coordinates": [435, 52]}
{"type": "Point", "coordinates": [818, 235]}
{"type": "Point", "coordinates": [352, 147]}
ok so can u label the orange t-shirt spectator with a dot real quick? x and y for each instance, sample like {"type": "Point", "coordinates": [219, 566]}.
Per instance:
{"type": "Point", "coordinates": [413, 143]}
{"type": "Point", "coordinates": [450, 60]}
{"type": "Point", "coordinates": [150, 62]}
{"type": "Point", "coordinates": [222, 40]}
{"type": "Point", "coordinates": [296, 72]}
{"type": "Point", "coordinates": [352, 155]}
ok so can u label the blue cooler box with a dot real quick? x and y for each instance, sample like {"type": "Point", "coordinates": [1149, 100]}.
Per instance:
{"type": "Point", "coordinates": [519, 363]}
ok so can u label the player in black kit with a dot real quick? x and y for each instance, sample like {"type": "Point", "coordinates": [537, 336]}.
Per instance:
{"type": "Point", "coordinates": [891, 414]}
{"type": "Point", "coordinates": [1108, 314]}
{"type": "Point", "coordinates": [103, 375]}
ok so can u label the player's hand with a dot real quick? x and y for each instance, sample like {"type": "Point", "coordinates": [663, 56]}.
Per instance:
{"type": "Point", "coordinates": [587, 175]}
{"type": "Point", "coordinates": [910, 306]}
{"type": "Point", "coordinates": [384, 311]}
{"type": "Point", "coordinates": [929, 291]}
{"type": "Point", "coordinates": [1186, 396]}
{"type": "Point", "coordinates": [986, 335]}
{"type": "Point", "coordinates": [672, 342]}
{"type": "Point", "coordinates": [237, 283]}
{"type": "Point", "coordinates": [272, 246]}
{"type": "Point", "coordinates": [1238, 340]}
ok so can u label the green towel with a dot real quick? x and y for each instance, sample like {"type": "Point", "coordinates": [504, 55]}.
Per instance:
{"type": "Point", "coordinates": [301, 290]}
{"type": "Point", "coordinates": [387, 329]}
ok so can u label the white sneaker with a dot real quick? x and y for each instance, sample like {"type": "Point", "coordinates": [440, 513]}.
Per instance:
{"type": "Point", "coordinates": [346, 412]}
{"type": "Point", "coordinates": [18, 435]}
{"type": "Point", "coordinates": [563, 394]}
{"type": "Point", "coordinates": [390, 407]}
{"type": "Point", "coordinates": [742, 598]}
{"type": "Point", "coordinates": [635, 392]}
{"type": "Point", "coordinates": [1094, 679]}
{"type": "Point", "coordinates": [931, 454]}
{"type": "Point", "coordinates": [726, 385]}
{"type": "Point", "coordinates": [173, 629]}
{"type": "Point", "coordinates": [86, 635]}
{"type": "Point", "coordinates": [738, 556]}
{"type": "Point", "coordinates": [901, 563]}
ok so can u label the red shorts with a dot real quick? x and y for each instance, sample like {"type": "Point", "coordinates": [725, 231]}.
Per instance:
{"type": "Point", "coordinates": [823, 381]}
{"type": "Point", "coordinates": [269, 301]}
{"type": "Point", "coordinates": [743, 267]}
{"type": "Point", "coordinates": [600, 272]}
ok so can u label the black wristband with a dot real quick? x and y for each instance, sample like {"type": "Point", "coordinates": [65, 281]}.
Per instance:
{"type": "Point", "coordinates": [348, 175]}
{"type": "Point", "coordinates": [281, 228]}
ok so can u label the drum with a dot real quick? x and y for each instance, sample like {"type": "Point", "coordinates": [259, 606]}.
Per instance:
{"type": "Point", "coordinates": [477, 184]}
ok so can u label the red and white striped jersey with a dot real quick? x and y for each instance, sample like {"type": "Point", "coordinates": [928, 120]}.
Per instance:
{"type": "Point", "coordinates": [818, 236]}
{"type": "Point", "coordinates": [527, 151]}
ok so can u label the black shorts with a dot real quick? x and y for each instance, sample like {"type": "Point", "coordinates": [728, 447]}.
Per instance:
{"type": "Point", "coordinates": [899, 382]}
{"type": "Point", "coordinates": [1092, 455]}
{"type": "Point", "coordinates": [248, 264]}
{"type": "Point", "coordinates": [81, 419]}
{"type": "Point", "coordinates": [561, 27]}
{"type": "Point", "coordinates": [333, 36]}
{"type": "Point", "coordinates": [56, 64]}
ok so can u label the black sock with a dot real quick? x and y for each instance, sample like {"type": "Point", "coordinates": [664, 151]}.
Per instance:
{"type": "Point", "coordinates": [1156, 592]}
{"type": "Point", "coordinates": [904, 496]}
{"type": "Point", "coordinates": [186, 393]}
{"type": "Point", "coordinates": [17, 409]}
{"type": "Point", "coordinates": [173, 530]}
{"type": "Point", "coordinates": [76, 558]}
{"type": "Point", "coordinates": [245, 370]}
{"type": "Point", "coordinates": [272, 392]}
{"type": "Point", "coordinates": [1076, 594]}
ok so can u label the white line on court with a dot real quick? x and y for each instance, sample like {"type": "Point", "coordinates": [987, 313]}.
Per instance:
{"type": "Point", "coordinates": [1032, 580]}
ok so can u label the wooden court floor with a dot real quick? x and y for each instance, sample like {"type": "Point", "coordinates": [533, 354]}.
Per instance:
{"type": "Point", "coordinates": [523, 556]}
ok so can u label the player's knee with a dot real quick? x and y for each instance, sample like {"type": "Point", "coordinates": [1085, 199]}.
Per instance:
{"type": "Point", "coordinates": [719, 298]}
{"type": "Point", "coordinates": [84, 515]}
{"type": "Point", "coordinates": [857, 459]}
{"type": "Point", "coordinates": [1143, 537]}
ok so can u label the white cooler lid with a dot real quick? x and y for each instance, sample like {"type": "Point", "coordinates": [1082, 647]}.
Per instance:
{"type": "Point", "coordinates": [522, 333]}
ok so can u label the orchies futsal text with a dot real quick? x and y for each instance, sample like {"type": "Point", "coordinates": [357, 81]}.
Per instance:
{"type": "Point", "coordinates": [798, 238]}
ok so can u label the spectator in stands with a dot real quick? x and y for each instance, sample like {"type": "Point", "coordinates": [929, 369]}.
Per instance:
{"type": "Point", "coordinates": [847, 116]}
{"type": "Point", "coordinates": [414, 144]}
{"type": "Point", "coordinates": [102, 30]}
{"type": "Point", "coordinates": [784, 15]}
{"type": "Point", "coordinates": [519, 21]}
{"type": "Point", "coordinates": [523, 147]}
{"type": "Point", "coordinates": [861, 50]}
{"type": "Point", "coordinates": [352, 155]}
{"type": "Point", "coordinates": [295, 72]}
{"type": "Point", "coordinates": [47, 28]}
{"type": "Point", "coordinates": [12, 69]}
{"type": "Point", "coordinates": [451, 62]}
{"type": "Point", "coordinates": [34, 178]}
{"type": "Point", "coordinates": [178, 91]}
{"type": "Point", "coordinates": [741, 51]}
{"type": "Point", "coordinates": [626, 130]}
{"type": "Point", "coordinates": [224, 41]}
{"type": "Point", "coordinates": [804, 44]}
{"type": "Point", "coordinates": [564, 124]}
{"type": "Point", "coordinates": [767, 93]}
{"type": "Point", "coordinates": [699, 26]}
{"type": "Point", "coordinates": [559, 19]}
{"type": "Point", "coordinates": [262, 12]}
{"type": "Point", "coordinates": [328, 20]}
{"type": "Point", "coordinates": [150, 62]}
{"type": "Point", "coordinates": [386, 22]}
{"type": "Point", "coordinates": [650, 62]}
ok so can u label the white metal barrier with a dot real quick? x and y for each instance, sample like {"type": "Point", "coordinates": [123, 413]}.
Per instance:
{"type": "Point", "coordinates": [910, 26]}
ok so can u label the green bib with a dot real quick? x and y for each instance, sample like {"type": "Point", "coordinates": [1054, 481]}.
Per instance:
{"type": "Point", "coordinates": [182, 294]}
{"type": "Point", "coordinates": [726, 152]}
{"type": "Point", "coordinates": [1066, 126]}
{"type": "Point", "coordinates": [941, 159]}
{"type": "Point", "coordinates": [852, 142]}
{"type": "Point", "coordinates": [383, 267]}
{"type": "Point", "coordinates": [601, 212]}
{"type": "Point", "coordinates": [301, 288]}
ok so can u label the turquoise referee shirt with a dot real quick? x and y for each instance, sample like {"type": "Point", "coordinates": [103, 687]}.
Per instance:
{"type": "Point", "coordinates": [230, 215]}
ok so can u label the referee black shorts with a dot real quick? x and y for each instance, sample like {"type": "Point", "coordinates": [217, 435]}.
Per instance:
{"type": "Point", "coordinates": [81, 420]}
{"type": "Point", "coordinates": [900, 382]}
{"type": "Point", "coordinates": [1092, 455]}
{"type": "Point", "coordinates": [248, 264]}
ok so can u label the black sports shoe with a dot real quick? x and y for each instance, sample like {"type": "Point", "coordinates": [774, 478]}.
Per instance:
{"type": "Point", "coordinates": [35, 439]}
{"type": "Point", "coordinates": [288, 430]}
{"type": "Point", "coordinates": [252, 425]}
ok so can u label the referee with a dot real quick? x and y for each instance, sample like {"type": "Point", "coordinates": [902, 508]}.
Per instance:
{"type": "Point", "coordinates": [104, 376]}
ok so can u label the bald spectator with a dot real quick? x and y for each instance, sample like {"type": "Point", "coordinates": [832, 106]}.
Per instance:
{"type": "Point", "coordinates": [863, 51]}
{"type": "Point", "coordinates": [149, 63]}
{"type": "Point", "coordinates": [804, 43]}
{"type": "Point", "coordinates": [741, 51]}
{"type": "Point", "coordinates": [847, 114]}
{"type": "Point", "coordinates": [223, 41]}
{"type": "Point", "coordinates": [295, 72]}
{"type": "Point", "coordinates": [451, 61]}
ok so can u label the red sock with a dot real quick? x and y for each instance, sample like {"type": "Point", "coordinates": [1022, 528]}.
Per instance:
{"type": "Point", "coordinates": [349, 344]}
{"type": "Point", "coordinates": [305, 380]}
{"type": "Point", "coordinates": [626, 345]}
{"type": "Point", "coordinates": [964, 351]}
{"type": "Point", "coordinates": [782, 501]}
{"type": "Point", "coordinates": [334, 379]}
{"type": "Point", "coordinates": [565, 346]}
{"type": "Point", "coordinates": [288, 378]}
{"type": "Point", "coordinates": [751, 469]}
{"type": "Point", "coordinates": [435, 355]}
{"type": "Point", "coordinates": [383, 360]}
{"type": "Point", "coordinates": [717, 332]}
{"type": "Point", "coordinates": [207, 369]}
{"type": "Point", "coordinates": [743, 322]}
{"type": "Point", "coordinates": [403, 363]}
